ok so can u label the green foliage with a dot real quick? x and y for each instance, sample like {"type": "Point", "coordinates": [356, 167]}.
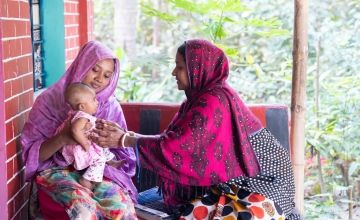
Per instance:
{"type": "Point", "coordinates": [104, 24]}
{"type": "Point", "coordinates": [195, 7]}
{"type": "Point", "coordinates": [233, 26]}
{"type": "Point", "coordinates": [337, 134]}
{"type": "Point", "coordinates": [149, 11]}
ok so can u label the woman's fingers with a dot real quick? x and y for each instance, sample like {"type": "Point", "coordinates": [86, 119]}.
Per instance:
{"type": "Point", "coordinates": [107, 138]}
{"type": "Point", "coordinates": [101, 133]}
{"type": "Point", "coordinates": [111, 127]}
{"type": "Point", "coordinates": [107, 125]}
{"type": "Point", "coordinates": [109, 133]}
{"type": "Point", "coordinates": [100, 123]}
{"type": "Point", "coordinates": [106, 142]}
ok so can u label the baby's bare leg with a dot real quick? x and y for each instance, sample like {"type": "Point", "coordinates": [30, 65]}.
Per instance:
{"type": "Point", "coordinates": [116, 163]}
{"type": "Point", "coordinates": [86, 183]}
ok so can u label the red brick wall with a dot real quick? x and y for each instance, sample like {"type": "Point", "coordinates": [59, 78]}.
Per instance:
{"type": "Point", "coordinates": [71, 21]}
{"type": "Point", "coordinates": [78, 18]}
{"type": "Point", "coordinates": [90, 19]}
{"type": "Point", "coordinates": [16, 90]}
{"type": "Point", "coordinates": [3, 179]}
{"type": "Point", "coordinates": [18, 97]}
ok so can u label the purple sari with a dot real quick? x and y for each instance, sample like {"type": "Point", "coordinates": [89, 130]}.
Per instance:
{"type": "Point", "coordinates": [50, 110]}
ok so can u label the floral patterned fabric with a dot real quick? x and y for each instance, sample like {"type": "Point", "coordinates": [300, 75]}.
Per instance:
{"type": "Point", "coordinates": [107, 201]}
{"type": "Point", "coordinates": [242, 205]}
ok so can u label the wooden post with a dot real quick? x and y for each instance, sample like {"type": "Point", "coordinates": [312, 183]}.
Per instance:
{"type": "Point", "coordinates": [298, 97]}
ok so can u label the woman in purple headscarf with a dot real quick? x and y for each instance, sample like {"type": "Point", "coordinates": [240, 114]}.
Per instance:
{"type": "Point", "coordinates": [56, 183]}
{"type": "Point", "coordinates": [215, 156]}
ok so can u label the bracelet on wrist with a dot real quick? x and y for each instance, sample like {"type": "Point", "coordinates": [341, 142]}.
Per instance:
{"type": "Point", "coordinates": [122, 141]}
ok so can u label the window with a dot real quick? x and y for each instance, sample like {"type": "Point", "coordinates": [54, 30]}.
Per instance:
{"type": "Point", "coordinates": [37, 44]}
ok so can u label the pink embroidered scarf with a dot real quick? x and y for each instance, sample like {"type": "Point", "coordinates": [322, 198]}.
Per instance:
{"type": "Point", "coordinates": [207, 142]}
{"type": "Point", "coordinates": [50, 110]}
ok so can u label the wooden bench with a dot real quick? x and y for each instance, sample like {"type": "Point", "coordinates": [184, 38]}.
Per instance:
{"type": "Point", "coordinates": [150, 118]}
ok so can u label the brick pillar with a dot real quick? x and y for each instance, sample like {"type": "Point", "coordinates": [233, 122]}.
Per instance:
{"type": "Point", "coordinates": [71, 21]}
{"type": "Point", "coordinates": [90, 18]}
{"type": "Point", "coordinates": [78, 19]}
{"type": "Point", "coordinates": [16, 84]}
{"type": "Point", "coordinates": [85, 21]}
{"type": "Point", "coordinates": [3, 190]}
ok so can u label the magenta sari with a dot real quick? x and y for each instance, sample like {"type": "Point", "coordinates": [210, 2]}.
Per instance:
{"type": "Point", "coordinates": [207, 142]}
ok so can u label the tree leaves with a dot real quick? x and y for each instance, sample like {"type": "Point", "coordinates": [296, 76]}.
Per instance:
{"type": "Point", "coordinates": [150, 11]}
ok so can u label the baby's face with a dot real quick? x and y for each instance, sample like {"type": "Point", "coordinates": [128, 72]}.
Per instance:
{"type": "Point", "coordinates": [90, 102]}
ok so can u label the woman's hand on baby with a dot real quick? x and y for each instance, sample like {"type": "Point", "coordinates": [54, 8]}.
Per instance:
{"type": "Point", "coordinates": [109, 133]}
{"type": "Point", "coordinates": [66, 136]}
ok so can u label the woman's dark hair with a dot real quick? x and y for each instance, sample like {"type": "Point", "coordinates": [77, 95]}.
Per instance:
{"type": "Point", "coordinates": [181, 50]}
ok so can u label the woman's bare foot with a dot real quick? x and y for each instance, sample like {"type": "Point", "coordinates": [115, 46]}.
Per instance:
{"type": "Point", "coordinates": [86, 183]}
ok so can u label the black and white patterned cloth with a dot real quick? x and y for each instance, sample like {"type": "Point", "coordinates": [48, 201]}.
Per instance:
{"type": "Point", "coordinates": [276, 180]}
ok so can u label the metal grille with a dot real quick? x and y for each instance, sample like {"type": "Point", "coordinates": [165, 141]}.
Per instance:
{"type": "Point", "coordinates": [37, 44]}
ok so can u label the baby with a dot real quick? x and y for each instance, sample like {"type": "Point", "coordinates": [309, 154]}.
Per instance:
{"type": "Point", "coordinates": [86, 154]}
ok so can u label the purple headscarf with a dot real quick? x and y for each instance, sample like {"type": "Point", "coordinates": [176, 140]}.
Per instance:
{"type": "Point", "coordinates": [50, 110]}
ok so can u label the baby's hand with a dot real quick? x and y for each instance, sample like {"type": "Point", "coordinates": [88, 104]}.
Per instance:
{"type": "Point", "coordinates": [116, 163]}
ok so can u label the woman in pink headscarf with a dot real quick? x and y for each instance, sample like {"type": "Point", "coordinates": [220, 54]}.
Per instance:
{"type": "Point", "coordinates": [60, 196]}
{"type": "Point", "coordinates": [215, 160]}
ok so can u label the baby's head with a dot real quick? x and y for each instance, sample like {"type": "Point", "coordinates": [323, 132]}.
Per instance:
{"type": "Point", "coordinates": [81, 98]}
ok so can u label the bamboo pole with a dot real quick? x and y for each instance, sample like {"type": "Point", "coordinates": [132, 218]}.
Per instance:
{"type": "Point", "coordinates": [298, 97]}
